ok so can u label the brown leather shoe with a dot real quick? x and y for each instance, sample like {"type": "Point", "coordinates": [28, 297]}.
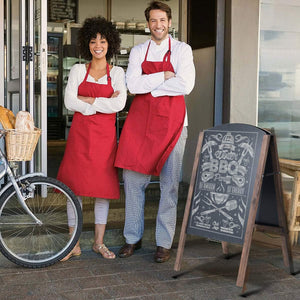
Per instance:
{"type": "Point", "coordinates": [128, 249]}
{"type": "Point", "coordinates": [162, 254]}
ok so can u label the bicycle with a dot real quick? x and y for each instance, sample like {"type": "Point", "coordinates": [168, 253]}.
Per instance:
{"type": "Point", "coordinates": [34, 229]}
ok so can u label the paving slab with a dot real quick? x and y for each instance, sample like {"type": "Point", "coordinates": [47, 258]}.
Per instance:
{"type": "Point", "coordinates": [204, 274]}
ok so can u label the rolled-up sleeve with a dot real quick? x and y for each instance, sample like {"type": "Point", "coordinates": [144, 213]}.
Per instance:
{"type": "Point", "coordinates": [137, 82]}
{"type": "Point", "coordinates": [184, 80]}
{"type": "Point", "coordinates": [71, 100]}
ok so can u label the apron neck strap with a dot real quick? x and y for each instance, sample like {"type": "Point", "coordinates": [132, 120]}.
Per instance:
{"type": "Point", "coordinates": [87, 72]}
{"type": "Point", "coordinates": [167, 55]}
{"type": "Point", "coordinates": [147, 50]}
{"type": "Point", "coordinates": [107, 72]}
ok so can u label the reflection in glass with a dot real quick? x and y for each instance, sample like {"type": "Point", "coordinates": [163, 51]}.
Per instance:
{"type": "Point", "coordinates": [14, 39]}
{"type": "Point", "coordinates": [279, 74]}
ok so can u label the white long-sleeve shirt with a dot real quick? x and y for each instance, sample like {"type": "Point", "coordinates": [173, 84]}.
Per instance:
{"type": "Point", "coordinates": [101, 104]}
{"type": "Point", "coordinates": [181, 60]}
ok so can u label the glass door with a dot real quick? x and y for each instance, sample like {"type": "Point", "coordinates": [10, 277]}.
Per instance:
{"type": "Point", "coordinates": [55, 122]}
{"type": "Point", "coordinates": [23, 66]}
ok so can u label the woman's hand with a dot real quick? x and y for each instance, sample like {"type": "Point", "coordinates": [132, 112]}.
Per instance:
{"type": "Point", "coordinates": [89, 100]}
{"type": "Point", "coordinates": [115, 94]}
{"type": "Point", "coordinates": [169, 74]}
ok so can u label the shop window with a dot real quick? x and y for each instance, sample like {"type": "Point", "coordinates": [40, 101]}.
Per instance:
{"type": "Point", "coordinates": [279, 74]}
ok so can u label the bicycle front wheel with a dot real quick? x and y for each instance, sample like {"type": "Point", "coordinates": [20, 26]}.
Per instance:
{"type": "Point", "coordinates": [31, 245]}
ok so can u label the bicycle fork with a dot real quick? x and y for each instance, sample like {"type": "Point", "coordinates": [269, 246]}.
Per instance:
{"type": "Point", "coordinates": [21, 198]}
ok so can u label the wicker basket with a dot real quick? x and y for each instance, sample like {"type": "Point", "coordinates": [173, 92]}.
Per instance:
{"type": "Point", "coordinates": [20, 145]}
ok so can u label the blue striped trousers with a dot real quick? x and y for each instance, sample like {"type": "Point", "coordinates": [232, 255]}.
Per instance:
{"type": "Point", "coordinates": [135, 184]}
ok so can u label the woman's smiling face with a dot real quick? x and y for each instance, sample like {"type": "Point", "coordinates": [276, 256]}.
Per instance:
{"type": "Point", "coordinates": [98, 46]}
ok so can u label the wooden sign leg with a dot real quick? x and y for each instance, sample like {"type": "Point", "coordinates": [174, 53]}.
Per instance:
{"type": "Point", "coordinates": [182, 237]}
{"type": "Point", "coordinates": [245, 281]}
{"type": "Point", "coordinates": [225, 248]}
{"type": "Point", "coordinates": [241, 279]}
{"type": "Point", "coordinates": [285, 242]}
{"type": "Point", "coordinates": [287, 252]}
{"type": "Point", "coordinates": [181, 243]}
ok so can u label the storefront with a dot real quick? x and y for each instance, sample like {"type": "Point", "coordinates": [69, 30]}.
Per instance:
{"type": "Point", "coordinates": [249, 74]}
{"type": "Point", "coordinates": [39, 48]}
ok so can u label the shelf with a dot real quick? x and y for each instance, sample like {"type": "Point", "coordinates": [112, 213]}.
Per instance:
{"type": "Point", "coordinates": [143, 32]}
{"type": "Point", "coordinates": [53, 53]}
{"type": "Point", "coordinates": [67, 68]}
{"type": "Point", "coordinates": [134, 31]}
{"type": "Point", "coordinates": [53, 70]}
{"type": "Point", "coordinates": [123, 55]}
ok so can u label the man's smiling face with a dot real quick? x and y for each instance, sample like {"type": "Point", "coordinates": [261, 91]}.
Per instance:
{"type": "Point", "coordinates": [159, 25]}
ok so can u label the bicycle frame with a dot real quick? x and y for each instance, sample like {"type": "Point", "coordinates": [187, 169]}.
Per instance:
{"type": "Point", "coordinates": [14, 182]}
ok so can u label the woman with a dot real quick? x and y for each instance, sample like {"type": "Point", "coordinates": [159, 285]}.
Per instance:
{"type": "Point", "coordinates": [95, 92]}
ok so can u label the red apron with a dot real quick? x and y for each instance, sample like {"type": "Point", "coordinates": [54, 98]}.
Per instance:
{"type": "Point", "coordinates": [152, 127]}
{"type": "Point", "coordinates": [88, 163]}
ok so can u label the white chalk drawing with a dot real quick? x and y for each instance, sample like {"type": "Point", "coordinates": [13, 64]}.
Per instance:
{"type": "Point", "coordinates": [221, 191]}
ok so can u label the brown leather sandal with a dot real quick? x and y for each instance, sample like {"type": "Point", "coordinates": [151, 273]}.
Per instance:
{"type": "Point", "coordinates": [103, 250]}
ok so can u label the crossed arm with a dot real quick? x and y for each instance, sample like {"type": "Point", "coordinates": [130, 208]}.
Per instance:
{"type": "Point", "coordinates": [180, 82]}
{"type": "Point", "coordinates": [91, 100]}
{"type": "Point", "coordinates": [90, 105]}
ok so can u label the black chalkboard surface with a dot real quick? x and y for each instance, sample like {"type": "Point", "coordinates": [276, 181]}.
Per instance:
{"type": "Point", "coordinates": [224, 183]}
{"type": "Point", "coordinates": [62, 10]}
{"type": "Point", "coordinates": [235, 188]}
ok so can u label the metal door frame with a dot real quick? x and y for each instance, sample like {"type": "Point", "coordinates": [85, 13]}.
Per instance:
{"type": "Point", "coordinates": [43, 70]}
{"type": "Point", "coordinates": [2, 52]}
{"type": "Point", "coordinates": [26, 82]}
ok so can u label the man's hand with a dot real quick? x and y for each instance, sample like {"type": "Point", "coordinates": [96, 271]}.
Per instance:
{"type": "Point", "coordinates": [89, 100]}
{"type": "Point", "coordinates": [169, 74]}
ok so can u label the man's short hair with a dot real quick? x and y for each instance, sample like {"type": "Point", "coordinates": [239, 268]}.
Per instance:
{"type": "Point", "coordinates": [158, 5]}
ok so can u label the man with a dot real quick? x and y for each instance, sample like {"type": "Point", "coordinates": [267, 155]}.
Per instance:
{"type": "Point", "coordinates": [160, 72]}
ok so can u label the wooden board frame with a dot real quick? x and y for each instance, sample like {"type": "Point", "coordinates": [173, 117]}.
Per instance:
{"type": "Point", "coordinates": [268, 146]}
{"type": "Point", "coordinates": [182, 236]}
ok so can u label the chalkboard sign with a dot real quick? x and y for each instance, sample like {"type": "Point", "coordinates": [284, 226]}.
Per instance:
{"type": "Point", "coordinates": [225, 181]}
{"type": "Point", "coordinates": [62, 10]}
{"type": "Point", "coordinates": [235, 188]}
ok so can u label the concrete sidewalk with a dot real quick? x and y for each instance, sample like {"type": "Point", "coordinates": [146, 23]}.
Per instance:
{"type": "Point", "coordinates": [205, 274]}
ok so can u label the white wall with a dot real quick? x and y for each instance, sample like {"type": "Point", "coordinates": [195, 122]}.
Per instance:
{"type": "Point", "coordinates": [200, 105]}
{"type": "Point", "coordinates": [122, 10]}
{"type": "Point", "coordinates": [244, 61]}
{"type": "Point", "coordinates": [91, 8]}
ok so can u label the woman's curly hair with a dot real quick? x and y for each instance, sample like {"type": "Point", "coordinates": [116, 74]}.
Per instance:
{"type": "Point", "coordinates": [89, 30]}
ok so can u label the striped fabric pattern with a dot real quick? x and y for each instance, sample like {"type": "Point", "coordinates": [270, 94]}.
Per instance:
{"type": "Point", "coordinates": [135, 185]}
